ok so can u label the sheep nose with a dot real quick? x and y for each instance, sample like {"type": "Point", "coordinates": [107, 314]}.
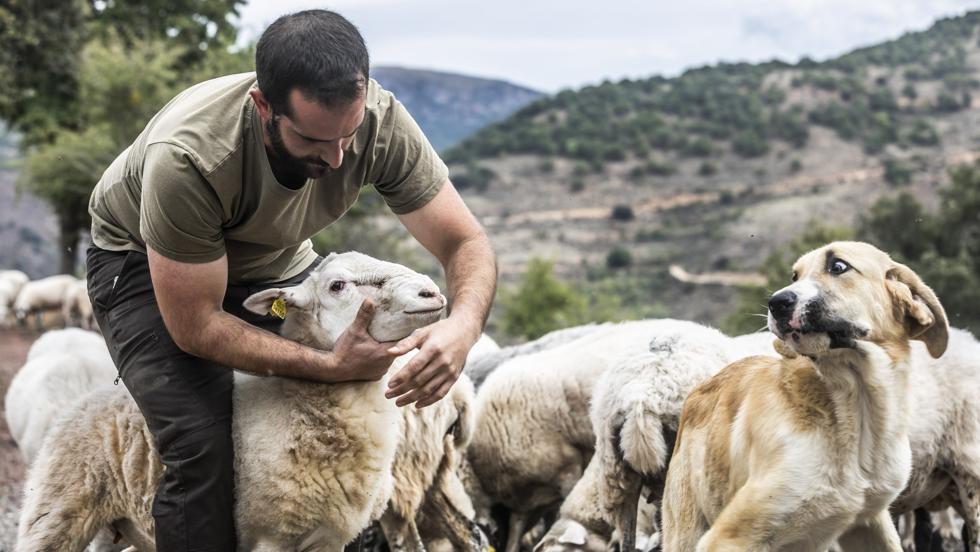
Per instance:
{"type": "Point", "coordinates": [781, 305]}
{"type": "Point", "coordinates": [428, 294]}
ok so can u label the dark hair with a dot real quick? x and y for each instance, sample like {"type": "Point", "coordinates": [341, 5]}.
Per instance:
{"type": "Point", "coordinates": [318, 52]}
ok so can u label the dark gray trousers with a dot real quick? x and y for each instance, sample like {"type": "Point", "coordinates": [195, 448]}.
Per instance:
{"type": "Point", "coordinates": [186, 400]}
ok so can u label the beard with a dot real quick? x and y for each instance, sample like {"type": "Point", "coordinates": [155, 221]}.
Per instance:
{"type": "Point", "coordinates": [286, 166]}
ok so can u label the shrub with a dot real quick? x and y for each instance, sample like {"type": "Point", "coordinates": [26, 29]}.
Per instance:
{"type": "Point", "coordinates": [618, 258]}
{"type": "Point", "coordinates": [540, 303]}
{"type": "Point", "coordinates": [749, 143]}
{"type": "Point", "coordinates": [922, 134]}
{"type": "Point", "coordinates": [707, 169]}
{"type": "Point", "coordinates": [622, 213]}
{"type": "Point", "coordinates": [897, 173]}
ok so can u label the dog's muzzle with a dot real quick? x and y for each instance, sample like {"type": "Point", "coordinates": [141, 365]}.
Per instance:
{"type": "Point", "coordinates": [813, 318]}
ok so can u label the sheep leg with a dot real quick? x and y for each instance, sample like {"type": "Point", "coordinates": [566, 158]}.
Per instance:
{"type": "Point", "coordinates": [627, 517]}
{"type": "Point", "coordinates": [968, 486]}
{"type": "Point", "coordinates": [517, 526]}
{"type": "Point", "coordinates": [58, 529]}
{"type": "Point", "coordinates": [135, 536]}
{"type": "Point", "coordinates": [922, 529]}
{"type": "Point", "coordinates": [462, 532]}
{"type": "Point", "coordinates": [402, 534]}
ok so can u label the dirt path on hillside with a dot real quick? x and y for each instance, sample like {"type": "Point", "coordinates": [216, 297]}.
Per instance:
{"type": "Point", "coordinates": [722, 278]}
{"type": "Point", "coordinates": [784, 187]}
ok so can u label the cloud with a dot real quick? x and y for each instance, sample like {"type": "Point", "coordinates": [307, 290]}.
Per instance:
{"type": "Point", "coordinates": [552, 45]}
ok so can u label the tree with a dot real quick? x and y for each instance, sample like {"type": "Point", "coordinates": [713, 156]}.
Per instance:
{"type": "Point", "coordinates": [40, 49]}
{"type": "Point", "coordinates": [943, 248]}
{"type": "Point", "coordinates": [195, 27]}
{"type": "Point", "coordinates": [118, 92]}
{"type": "Point", "coordinates": [540, 303]}
{"type": "Point", "coordinates": [46, 48]}
{"type": "Point", "coordinates": [63, 173]}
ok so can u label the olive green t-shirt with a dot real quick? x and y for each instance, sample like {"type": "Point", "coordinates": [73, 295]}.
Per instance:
{"type": "Point", "coordinates": [197, 184]}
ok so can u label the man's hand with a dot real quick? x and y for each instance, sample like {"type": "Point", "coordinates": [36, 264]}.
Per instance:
{"type": "Point", "coordinates": [431, 373]}
{"type": "Point", "coordinates": [356, 355]}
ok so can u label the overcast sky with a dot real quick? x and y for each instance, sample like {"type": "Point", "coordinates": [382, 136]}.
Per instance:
{"type": "Point", "coordinates": [570, 43]}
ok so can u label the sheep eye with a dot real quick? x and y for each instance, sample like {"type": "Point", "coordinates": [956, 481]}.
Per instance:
{"type": "Point", "coordinates": [839, 267]}
{"type": "Point", "coordinates": [337, 285]}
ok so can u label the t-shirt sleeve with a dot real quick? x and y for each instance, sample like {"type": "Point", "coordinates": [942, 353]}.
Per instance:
{"type": "Point", "coordinates": [180, 215]}
{"type": "Point", "coordinates": [410, 171]}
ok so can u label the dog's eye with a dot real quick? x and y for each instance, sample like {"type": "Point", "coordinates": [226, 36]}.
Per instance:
{"type": "Point", "coordinates": [337, 285]}
{"type": "Point", "coordinates": [796, 276]}
{"type": "Point", "coordinates": [839, 267]}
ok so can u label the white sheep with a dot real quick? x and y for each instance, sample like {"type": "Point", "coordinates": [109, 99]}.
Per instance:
{"type": "Point", "coordinates": [61, 366]}
{"type": "Point", "coordinates": [426, 505]}
{"type": "Point", "coordinates": [481, 365]}
{"type": "Point", "coordinates": [531, 445]}
{"type": "Point", "coordinates": [40, 295]}
{"type": "Point", "coordinates": [321, 454]}
{"type": "Point", "coordinates": [944, 432]}
{"type": "Point", "coordinates": [11, 281]}
{"type": "Point", "coordinates": [76, 307]}
{"type": "Point", "coordinates": [483, 347]}
{"type": "Point", "coordinates": [635, 411]}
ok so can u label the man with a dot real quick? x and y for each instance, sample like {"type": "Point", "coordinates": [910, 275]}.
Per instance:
{"type": "Point", "coordinates": [217, 199]}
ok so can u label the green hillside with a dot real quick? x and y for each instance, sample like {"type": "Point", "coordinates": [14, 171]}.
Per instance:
{"type": "Point", "coordinates": [720, 168]}
{"type": "Point", "coordinates": [876, 96]}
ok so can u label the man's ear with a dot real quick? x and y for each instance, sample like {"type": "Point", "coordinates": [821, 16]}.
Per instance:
{"type": "Point", "coordinates": [924, 314]}
{"type": "Point", "coordinates": [297, 297]}
{"type": "Point", "coordinates": [261, 104]}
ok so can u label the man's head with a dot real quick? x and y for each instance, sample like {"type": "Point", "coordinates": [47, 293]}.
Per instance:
{"type": "Point", "coordinates": [312, 70]}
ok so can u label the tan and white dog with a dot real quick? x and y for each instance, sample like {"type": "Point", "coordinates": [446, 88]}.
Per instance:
{"type": "Point", "coordinates": [790, 454]}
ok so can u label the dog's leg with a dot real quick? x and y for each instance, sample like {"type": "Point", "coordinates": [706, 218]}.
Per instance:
{"type": "Point", "coordinates": [878, 535]}
{"type": "Point", "coordinates": [681, 522]}
{"type": "Point", "coordinates": [748, 522]}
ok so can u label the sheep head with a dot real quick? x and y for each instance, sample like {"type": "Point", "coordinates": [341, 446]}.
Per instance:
{"type": "Point", "coordinates": [324, 305]}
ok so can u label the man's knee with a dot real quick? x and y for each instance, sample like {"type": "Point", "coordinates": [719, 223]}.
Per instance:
{"type": "Point", "coordinates": [210, 445]}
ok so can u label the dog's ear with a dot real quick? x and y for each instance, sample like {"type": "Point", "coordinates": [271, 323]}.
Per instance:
{"type": "Point", "coordinates": [923, 312]}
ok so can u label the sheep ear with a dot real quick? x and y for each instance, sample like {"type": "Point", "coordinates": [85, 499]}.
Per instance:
{"type": "Point", "coordinates": [575, 534]}
{"type": "Point", "coordinates": [297, 297]}
{"type": "Point", "coordinates": [923, 312]}
{"type": "Point", "coordinates": [326, 260]}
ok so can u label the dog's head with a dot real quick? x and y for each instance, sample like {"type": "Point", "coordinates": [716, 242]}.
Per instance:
{"type": "Point", "coordinates": [849, 291]}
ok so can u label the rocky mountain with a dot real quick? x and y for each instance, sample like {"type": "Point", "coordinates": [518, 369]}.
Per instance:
{"type": "Point", "coordinates": [715, 169]}
{"type": "Point", "coordinates": [449, 106]}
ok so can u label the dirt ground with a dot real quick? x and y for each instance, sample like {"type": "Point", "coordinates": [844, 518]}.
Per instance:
{"type": "Point", "coordinates": [13, 350]}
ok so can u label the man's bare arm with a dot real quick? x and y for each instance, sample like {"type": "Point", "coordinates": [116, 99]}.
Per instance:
{"type": "Point", "coordinates": [190, 297]}
{"type": "Point", "coordinates": [449, 231]}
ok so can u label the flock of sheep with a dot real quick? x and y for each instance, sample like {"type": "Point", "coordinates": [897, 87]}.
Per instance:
{"type": "Point", "coordinates": [21, 298]}
{"type": "Point", "coordinates": [558, 444]}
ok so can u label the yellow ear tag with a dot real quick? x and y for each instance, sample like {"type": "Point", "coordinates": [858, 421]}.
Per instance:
{"type": "Point", "coordinates": [278, 308]}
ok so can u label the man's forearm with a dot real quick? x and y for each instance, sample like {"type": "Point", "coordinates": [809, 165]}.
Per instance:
{"type": "Point", "coordinates": [230, 341]}
{"type": "Point", "coordinates": [471, 279]}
